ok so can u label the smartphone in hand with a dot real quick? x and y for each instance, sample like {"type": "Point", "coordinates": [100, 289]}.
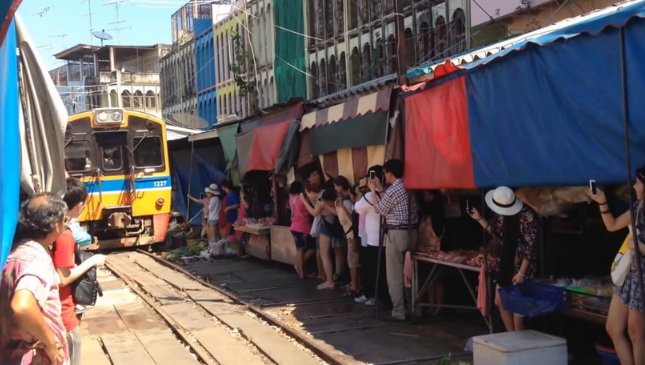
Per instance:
{"type": "Point", "coordinates": [593, 187]}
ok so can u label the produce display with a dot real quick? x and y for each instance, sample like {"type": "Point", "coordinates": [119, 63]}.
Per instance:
{"type": "Point", "coordinates": [589, 294]}
{"type": "Point", "coordinates": [252, 223]}
{"type": "Point", "coordinates": [473, 258]}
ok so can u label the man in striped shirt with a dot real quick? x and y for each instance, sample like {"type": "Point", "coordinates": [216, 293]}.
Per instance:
{"type": "Point", "coordinates": [401, 212]}
{"type": "Point", "coordinates": [31, 327]}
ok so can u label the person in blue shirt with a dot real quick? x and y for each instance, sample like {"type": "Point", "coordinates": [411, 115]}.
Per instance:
{"type": "Point", "coordinates": [232, 204]}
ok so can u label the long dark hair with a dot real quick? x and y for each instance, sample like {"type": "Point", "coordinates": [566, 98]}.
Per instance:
{"type": "Point", "coordinates": [510, 240]}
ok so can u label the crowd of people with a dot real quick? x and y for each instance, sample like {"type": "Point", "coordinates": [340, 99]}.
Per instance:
{"type": "Point", "coordinates": [39, 318]}
{"type": "Point", "coordinates": [335, 225]}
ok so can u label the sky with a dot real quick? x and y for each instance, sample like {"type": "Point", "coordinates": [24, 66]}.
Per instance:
{"type": "Point", "coordinates": [147, 23]}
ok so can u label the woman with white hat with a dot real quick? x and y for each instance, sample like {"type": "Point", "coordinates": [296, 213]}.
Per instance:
{"type": "Point", "coordinates": [211, 210]}
{"type": "Point", "coordinates": [516, 228]}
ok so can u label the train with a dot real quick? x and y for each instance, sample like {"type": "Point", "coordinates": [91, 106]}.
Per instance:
{"type": "Point", "coordinates": [122, 158]}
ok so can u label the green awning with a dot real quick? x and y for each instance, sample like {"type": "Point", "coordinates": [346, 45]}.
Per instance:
{"type": "Point", "coordinates": [227, 138]}
{"type": "Point", "coordinates": [361, 131]}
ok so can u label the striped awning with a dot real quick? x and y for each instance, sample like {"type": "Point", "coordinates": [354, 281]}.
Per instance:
{"type": "Point", "coordinates": [360, 105]}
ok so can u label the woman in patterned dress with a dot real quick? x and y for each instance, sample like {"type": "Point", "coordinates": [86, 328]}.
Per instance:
{"type": "Point", "coordinates": [626, 320]}
{"type": "Point", "coordinates": [516, 228]}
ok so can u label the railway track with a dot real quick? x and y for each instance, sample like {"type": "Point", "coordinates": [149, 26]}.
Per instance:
{"type": "Point", "coordinates": [217, 327]}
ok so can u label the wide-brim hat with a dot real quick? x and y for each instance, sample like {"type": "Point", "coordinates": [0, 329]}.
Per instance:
{"type": "Point", "coordinates": [503, 201]}
{"type": "Point", "coordinates": [213, 189]}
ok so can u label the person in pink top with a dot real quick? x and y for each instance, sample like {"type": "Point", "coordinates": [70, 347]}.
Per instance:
{"type": "Point", "coordinates": [300, 228]}
{"type": "Point", "coordinates": [31, 324]}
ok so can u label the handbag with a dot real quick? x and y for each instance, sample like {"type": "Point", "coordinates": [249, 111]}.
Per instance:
{"type": "Point", "coordinates": [622, 262]}
{"type": "Point", "coordinates": [315, 227]}
{"type": "Point", "coordinates": [86, 288]}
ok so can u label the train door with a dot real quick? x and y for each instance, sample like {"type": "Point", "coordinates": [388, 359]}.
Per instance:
{"type": "Point", "coordinates": [114, 184]}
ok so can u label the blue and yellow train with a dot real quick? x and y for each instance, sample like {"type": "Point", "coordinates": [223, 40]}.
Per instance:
{"type": "Point", "coordinates": [122, 157]}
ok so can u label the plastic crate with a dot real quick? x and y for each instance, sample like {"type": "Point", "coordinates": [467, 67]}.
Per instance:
{"type": "Point", "coordinates": [532, 299]}
{"type": "Point", "coordinates": [588, 303]}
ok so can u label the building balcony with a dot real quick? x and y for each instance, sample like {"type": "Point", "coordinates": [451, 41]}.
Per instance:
{"type": "Point", "coordinates": [130, 78]}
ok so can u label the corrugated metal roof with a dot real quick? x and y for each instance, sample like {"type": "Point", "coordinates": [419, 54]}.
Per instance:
{"type": "Point", "coordinates": [174, 133]}
{"type": "Point", "coordinates": [364, 88]}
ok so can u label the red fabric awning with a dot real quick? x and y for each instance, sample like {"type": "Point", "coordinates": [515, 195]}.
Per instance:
{"type": "Point", "coordinates": [258, 149]}
{"type": "Point", "coordinates": [437, 147]}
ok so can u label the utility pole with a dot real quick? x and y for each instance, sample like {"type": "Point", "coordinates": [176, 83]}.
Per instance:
{"type": "Point", "coordinates": [400, 41]}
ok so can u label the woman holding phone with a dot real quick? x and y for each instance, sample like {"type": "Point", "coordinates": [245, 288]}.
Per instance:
{"type": "Point", "coordinates": [626, 318]}
{"type": "Point", "coordinates": [516, 227]}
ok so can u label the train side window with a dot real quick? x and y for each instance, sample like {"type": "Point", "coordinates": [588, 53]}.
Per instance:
{"type": "Point", "coordinates": [148, 152]}
{"type": "Point", "coordinates": [78, 156]}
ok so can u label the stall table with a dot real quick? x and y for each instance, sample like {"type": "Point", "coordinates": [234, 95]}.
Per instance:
{"type": "Point", "coordinates": [437, 267]}
{"type": "Point", "coordinates": [259, 242]}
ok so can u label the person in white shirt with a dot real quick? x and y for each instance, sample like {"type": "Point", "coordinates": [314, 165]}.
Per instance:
{"type": "Point", "coordinates": [370, 234]}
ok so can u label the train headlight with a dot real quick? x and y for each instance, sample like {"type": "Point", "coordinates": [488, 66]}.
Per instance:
{"type": "Point", "coordinates": [109, 116]}
{"type": "Point", "coordinates": [102, 117]}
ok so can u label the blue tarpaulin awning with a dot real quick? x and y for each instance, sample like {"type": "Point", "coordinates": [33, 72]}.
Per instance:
{"type": "Point", "coordinates": [546, 110]}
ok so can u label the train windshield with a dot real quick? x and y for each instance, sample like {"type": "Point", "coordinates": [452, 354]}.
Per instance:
{"type": "Point", "coordinates": [148, 151]}
{"type": "Point", "coordinates": [78, 156]}
{"type": "Point", "coordinates": [111, 150]}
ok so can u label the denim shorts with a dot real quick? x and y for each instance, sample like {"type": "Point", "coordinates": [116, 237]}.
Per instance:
{"type": "Point", "coordinates": [213, 222]}
{"type": "Point", "coordinates": [303, 241]}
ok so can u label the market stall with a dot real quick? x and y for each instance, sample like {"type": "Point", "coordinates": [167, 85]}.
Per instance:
{"type": "Point", "coordinates": [489, 122]}
{"type": "Point", "coordinates": [268, 144]}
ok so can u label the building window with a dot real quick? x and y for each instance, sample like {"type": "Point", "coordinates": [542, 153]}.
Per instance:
{"type": "Point", "coordinates": [426, 52]}
{"type": "Point", "coordinates": [353, 14]}
{"type": "Point", "coordinates": [311, 20]}
{"type": "Point", "coordinates": [314, 80]}
{"type": "Point", "coordinates": [332, 78]}
{"type": "Point", "coordinates": [365, 11]}
{"type": "Point", "coordinates": [391, 44]}
{"type": "Point", "coordinates": [323, 78]}
{"type": "Point", "coordinates": [380, 62]}
{"type": "Point", "coordinates": [440, 37]}
{"type": "Point", "coordinates": [320, 16]}
{"type": "Point", "coordinates": [368, 65]}
{"type": "Point", "coordinates": [329, 18]}
{"type": "Point", "coordinates": [127, 99]}
{"type": "Point", "coordinates": [151, 100]}
{"type": "Point", "coordinates": [459, 30]}
{"type": "Point", "coordinates": [409, 48]}
{"type": "Point", "coordinates": [355, 61]}
{"type": "Point", "coordinates": [342, 67]}
{"type": "Point", "coordinates": [138, 100]}
{"type": "Point", "coordinates": [340, 17]}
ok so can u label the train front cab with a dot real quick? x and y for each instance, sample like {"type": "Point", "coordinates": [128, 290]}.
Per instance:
{"type": "Point", "coordinates": [122, 157]}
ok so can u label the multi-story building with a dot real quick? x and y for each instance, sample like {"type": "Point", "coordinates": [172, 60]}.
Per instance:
{"type": "Point", "coordinates": [178, 89]}
{"type": "Point", "coordinates": [110, 76]}
{"type": "Point", "coordinates": [354, 41]}
{"type": "Point", "coordinates": [205, 70]}
{"type": "Point", "coordinates": [179, 70]}
{"type": "Point", "coordinates": [230, 34]}
{"type": "Point", "coordinates": [261, 45]}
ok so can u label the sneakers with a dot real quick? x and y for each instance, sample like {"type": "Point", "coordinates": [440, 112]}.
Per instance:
{"type": "Point", "coordinates": [370, 302]}
{"type": "Point", "coordinates": [361, 299]}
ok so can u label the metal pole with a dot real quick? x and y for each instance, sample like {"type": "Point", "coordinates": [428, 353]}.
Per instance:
{"type": "Point", "coordinates": [623, 75]}
{"type": "Point", "coordinates": [489, 302]}
{"type": "Point", "coordinates": [190, 178]}
{"type": "Point", "coordinates": [383, 223]}
{"type": "Point", "coordinates": [400, 41]}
